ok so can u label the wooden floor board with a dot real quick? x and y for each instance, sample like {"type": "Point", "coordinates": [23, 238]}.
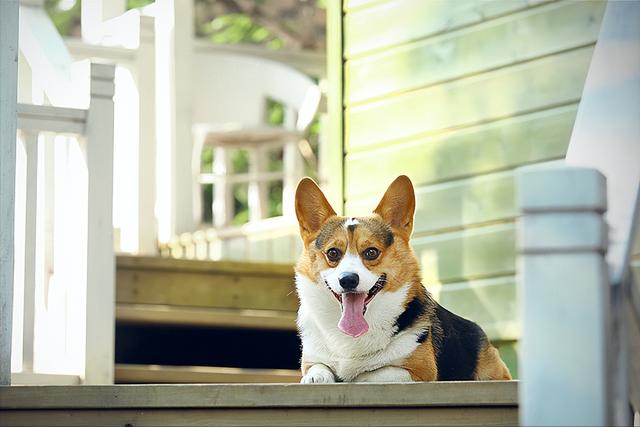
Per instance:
{"type": "Point", "coordinates": [494, 416]}
{"type": "Point", "coordinates": [409, 404]}
{"type": "Point", "coordinates": [466, 393]}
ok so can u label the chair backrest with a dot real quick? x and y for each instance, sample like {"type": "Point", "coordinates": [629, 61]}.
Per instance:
{"type": "Point", "coordinates": [606, 135]}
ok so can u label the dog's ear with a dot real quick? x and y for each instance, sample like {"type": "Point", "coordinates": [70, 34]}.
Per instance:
{"type": "Point", "coordinates": [398, 206]}
{"type": "Point", "coordinates": [312, 209]}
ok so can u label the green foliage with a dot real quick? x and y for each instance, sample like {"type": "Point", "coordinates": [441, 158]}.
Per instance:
{"type": "Point", "coordinates": [235, 28]}
{"type": "Point", "coordinates": [206, 161]}
{"type": "Point", "coordinates": [133, 4]}
{"type": "Point", "coordinates": [275, 198]}
{"type": "Point", "coordinates": [240, 204]}
{"type": "Point", "coordinates": [274, 112]}
{"type": "Point", "coordinates": [64, 20]}
{"type": "Point", "coordinates": [275, 159]}
{"type": "Point", "coordinates": [240, 161]}
{"type": "Point", "coordinates": [68, 21]}
{"type": "Point", "coordinates": [207, 203]}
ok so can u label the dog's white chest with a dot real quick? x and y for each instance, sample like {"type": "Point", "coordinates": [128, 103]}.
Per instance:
{"type": "Point", "coordinates": [348, 357]}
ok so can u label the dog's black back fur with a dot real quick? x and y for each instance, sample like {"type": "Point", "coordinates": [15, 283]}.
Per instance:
{"type": "Point", "coordinates": [457, 344]}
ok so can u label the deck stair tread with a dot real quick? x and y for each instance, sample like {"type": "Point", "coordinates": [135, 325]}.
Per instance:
{"type": "Point", "coordinates": [410, 404]}
{"type": "Point", "coordinates": [165, 314]}
{"type": "Point", "coordinates": [159, 300]}
{"type": "Point", "coordinates": [205, 284]}
{"type": "Point", "coordinates": [420, 394]}
{"type": "Point", "coordinates": [163, 374]}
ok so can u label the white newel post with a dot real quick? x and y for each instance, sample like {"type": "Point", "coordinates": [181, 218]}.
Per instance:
{"type": "Point", "coordinates": [146, 80]}
{"type": "Point", "coordinates": [99, 363]}
{"type": "Point", "coordinates": [564, 297]}
{"type": "Point", "coordinates": [8, 97]}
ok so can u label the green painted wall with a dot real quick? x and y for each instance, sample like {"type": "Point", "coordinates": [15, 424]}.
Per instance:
{"type": "Point", "coordinates": [457, 94]}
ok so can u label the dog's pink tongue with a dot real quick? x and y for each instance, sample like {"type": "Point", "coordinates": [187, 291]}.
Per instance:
{"type": "Point", "coordinates": [352, 321]}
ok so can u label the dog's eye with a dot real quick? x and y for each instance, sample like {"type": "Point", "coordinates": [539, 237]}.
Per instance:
{"type": "Point", "coordinates": [334, 254]}
{"type": "Point", "coordinates": [371, 254]}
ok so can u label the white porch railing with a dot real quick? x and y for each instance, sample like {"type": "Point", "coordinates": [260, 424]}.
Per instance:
{"type": "Point", "coordinates": [135, 128]}
{"type": "Point", "coordinates": [94, 273]}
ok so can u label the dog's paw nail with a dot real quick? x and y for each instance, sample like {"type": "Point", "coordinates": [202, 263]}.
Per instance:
{"type": "Point", "coordinates": [318, 378]}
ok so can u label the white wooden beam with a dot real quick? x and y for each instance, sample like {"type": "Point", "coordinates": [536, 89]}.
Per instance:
{"type": "Point", "coordinates": [564, 296]}
{"type": "Point", "coordinates": [38, 118]}
{"type": "Point", "coordinates": [100, 299]}
{"type": "Point", "coordinates": [8, 98]}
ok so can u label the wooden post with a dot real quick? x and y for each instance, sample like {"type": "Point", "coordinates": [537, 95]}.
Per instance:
{"type": "Point", "coordinates": [28, 337]}
{"type": "Point", "coordinates": [8, 98]}
{"type": "Point", "coordinates": [146, 81]}
{"type": "Point", "coordinates": [100, 302]}
{"type": "Point", "coordinates": [564, 297]}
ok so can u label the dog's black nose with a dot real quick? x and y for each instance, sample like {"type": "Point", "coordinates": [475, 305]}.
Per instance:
{"type": "Point", "coordinates": [348, 281]}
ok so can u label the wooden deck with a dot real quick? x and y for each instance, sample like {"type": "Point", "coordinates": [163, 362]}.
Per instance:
{"type": "Point", "coordinates": [413, 404]}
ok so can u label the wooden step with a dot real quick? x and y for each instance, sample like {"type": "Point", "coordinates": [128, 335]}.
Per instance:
{"type": "Point", "coordinates": [163, 314]}
{"type": "Point", "coordinates": [163, 374]}
{"type": "Point", "coordinates": [205, 284]}
{"type": "Point", "coordinates": [412, 404]}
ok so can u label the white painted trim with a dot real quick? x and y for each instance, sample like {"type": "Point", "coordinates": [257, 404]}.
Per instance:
{"type": "Point", "coordinates": [8, 97]}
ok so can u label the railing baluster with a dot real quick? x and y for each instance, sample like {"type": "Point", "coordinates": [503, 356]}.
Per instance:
{"type": "Point", "coordinates": [258, 206]}
{"type": "Point", "coordinates": [30, 142]}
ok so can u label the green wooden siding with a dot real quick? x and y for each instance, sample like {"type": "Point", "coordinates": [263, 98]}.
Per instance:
{"type": "Point", "coordinates": [457, 94]}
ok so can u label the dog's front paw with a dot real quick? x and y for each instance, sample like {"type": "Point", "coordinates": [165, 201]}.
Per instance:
{"type": "Point", "coordinates": [318, 374]}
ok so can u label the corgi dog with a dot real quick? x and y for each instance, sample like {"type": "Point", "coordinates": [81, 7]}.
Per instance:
{"type": "Point", "coordinates": [364, 313]}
